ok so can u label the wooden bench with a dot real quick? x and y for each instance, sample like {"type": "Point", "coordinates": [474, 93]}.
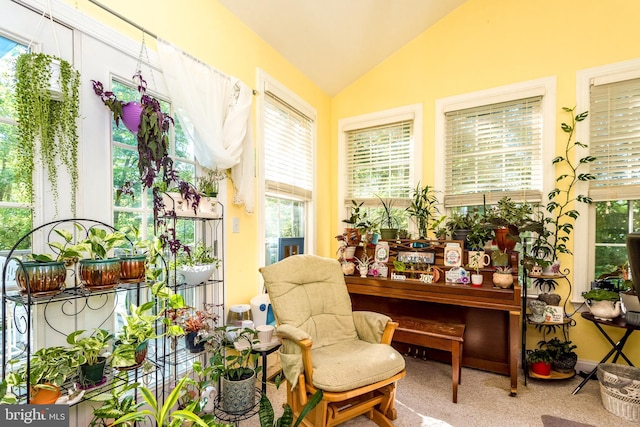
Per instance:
{"type": "Point", "coordinates": [432, 334]}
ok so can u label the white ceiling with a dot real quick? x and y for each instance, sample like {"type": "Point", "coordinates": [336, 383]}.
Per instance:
{"type": "Point", "coordinates": [334, 42]}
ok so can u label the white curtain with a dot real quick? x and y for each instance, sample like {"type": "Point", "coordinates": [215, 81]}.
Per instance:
{"type": "Point", "coordinates": [215, 111]}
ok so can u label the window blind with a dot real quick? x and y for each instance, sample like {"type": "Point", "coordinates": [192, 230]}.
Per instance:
{"type": "Point", "coordinates": [288, 136]}
{"type": "Point", "coordinates": [615, 140]}
{"type": "Point", "coordinates": [493, 151]}
{"type": "Point", "coordinates": [379, 162]}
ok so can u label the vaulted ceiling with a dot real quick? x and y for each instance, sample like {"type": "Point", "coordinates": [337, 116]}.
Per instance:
{"type": "Point", "coordinates": [334, 42]}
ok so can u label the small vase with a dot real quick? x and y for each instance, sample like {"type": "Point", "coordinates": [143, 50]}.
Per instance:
{"type": "Point", "coordinates": [541, 368]}
{"type": "Point", "coordinates": [131, 116]}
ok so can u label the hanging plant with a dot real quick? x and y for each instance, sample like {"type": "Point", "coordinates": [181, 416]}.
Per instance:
{"type": "Point", "coordinates": [47, 125]}
{"type": "Point", "coordinates": [155, 165]}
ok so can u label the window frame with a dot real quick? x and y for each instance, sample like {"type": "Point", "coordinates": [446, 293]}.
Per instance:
{"type": "Point", "coordinates": [378, 118]}
{"type": "Point", "coordinates": [546, 87]}
{"type": "Point", "coordinates": [584, 243]}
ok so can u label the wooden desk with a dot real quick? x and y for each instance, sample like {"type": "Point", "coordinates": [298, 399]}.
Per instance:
{"type": "Point", "coordinates": [491, 316]}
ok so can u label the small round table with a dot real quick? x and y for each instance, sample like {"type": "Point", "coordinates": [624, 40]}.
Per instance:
{"type": "Point", "coordinates": [264, 350]}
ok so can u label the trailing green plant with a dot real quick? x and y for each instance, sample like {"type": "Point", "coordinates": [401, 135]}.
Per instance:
{"type": "Point", "coordinates": [47, 126]}
{"type": "Point", "coordinates": [423, 208]}
{"type": "Point", "coordinates": [48, 366]}
{"type": "Point", "coordinates": [91, 346]}
{"type": "Point", "coordinates": [99, 243]}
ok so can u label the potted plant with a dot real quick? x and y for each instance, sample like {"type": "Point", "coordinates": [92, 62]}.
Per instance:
{"type": "Point", "coordinates": [50, 367]}
{"type": "Point", "coordinates": [155, 166]}
{"type": "Point", "coordinates": [45, 274]}
{"type": "Point", "coordinates": [356, 220]}
{"type": "Point", "coordinates": [602, 303]}
{"type": "Point", "coordinates": [98, 271]}
{"type": "Point", "coordinates": [564, 358]}
{"type": "Point", "coordinates": [461, 225]}
{"type": "Point", "coordinates": [539, 361]}
{"type": "Point", "coordinates": [196, 324]}
{"type": "Point", "coordinates": [423, 208]}
{"type": "Point", "coordinates": [237, 372]}
{"type": "Point", "coordinates": [196, 265]}
{"type": "Point", "coordinates": [505, 219]}
{"type": "Point", "coordinates": [476, 262]}
{"type": "Point", "coordinates": [133, 263]}
{"type": "Point", "coordinates": [267, 416]}
{"type": "Point", "coordinates": [47, 125]}
{"type": "Point", "coordinates": [388, 220]}
{"type": "Point", "coordinates": [208, 185]}
{"type": "Point", "coordinates": [503, 277]}
{"type": "Point", "coordinates": [131, 345]}
{"type": "Point", "coordinates": [90, 347]}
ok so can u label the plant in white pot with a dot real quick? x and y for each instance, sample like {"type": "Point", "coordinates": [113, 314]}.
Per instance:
{"type": "Point", "coordinates": [603, 304]}
{"type": "Point", "coordinates": [196, 265]}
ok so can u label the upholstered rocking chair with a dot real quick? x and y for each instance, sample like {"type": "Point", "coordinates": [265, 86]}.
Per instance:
{"type": "Point", "coordinates": [327, 346]}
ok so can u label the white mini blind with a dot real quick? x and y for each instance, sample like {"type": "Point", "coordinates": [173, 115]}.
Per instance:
{"type": "Point", "coordinates": [379, 162]}
{"type": "Point", "coordinates": [288, 158]}
{"type": "Point", "coordinates": [615, 140]}
{"type": "Point", "coordinates": [493, 151]}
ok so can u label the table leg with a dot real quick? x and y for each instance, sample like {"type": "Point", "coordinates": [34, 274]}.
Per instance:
{"type": "Point", "coordinates": [617, 348]}
{"type": "Point", "coordinates": [264, 372]}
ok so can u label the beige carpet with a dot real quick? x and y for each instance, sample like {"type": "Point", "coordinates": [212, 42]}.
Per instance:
{"type": "Point", "coordinates": [424, 400]}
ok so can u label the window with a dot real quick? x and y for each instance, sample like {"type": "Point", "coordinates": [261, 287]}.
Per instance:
{"type": "Point", "coordinates": [379, 154]}
{"type": "Point", "coordinates": [288, 132]}
{"type": "Point", "coordinates": [615, 142]}
{"type": "Point", "coordinates": [15, 202]}
{"type": "Point", "coordinates": [495, 143]}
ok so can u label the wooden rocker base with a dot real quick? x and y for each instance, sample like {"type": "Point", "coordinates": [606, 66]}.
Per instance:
{"type": "Point", "coordinates": [375, 401]}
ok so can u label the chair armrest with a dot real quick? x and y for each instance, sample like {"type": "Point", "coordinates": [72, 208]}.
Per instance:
{"type": "Point", "coordinates": [295, 353]}
{"type": "Point", "coordinates": [371, 326]}
{"type": "Point", "coordinates": [292, 333]}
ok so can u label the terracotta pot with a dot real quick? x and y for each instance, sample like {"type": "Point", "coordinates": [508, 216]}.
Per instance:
{"type": "Point", "coordinates": [45, 396]}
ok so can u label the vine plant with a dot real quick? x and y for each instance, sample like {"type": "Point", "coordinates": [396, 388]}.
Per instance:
{"type": "Point", "coordinates": [47, 125]}
{"type": "Point", "coordinates": [554, 230]}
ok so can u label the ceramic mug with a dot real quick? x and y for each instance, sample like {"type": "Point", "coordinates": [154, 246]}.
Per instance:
{"type": "Point", "coordinates": [478, 258]}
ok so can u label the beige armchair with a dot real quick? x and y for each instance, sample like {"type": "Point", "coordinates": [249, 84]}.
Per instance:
{"type": "Point", "coordinates": [327, 346]}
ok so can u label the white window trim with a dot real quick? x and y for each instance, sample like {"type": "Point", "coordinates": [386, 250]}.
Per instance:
{"type": "Point", "coordinates": [584, 243]}
{"type": "Point", "coordinates": [267, 83]}
{"type": "Point", "coordinates": [545, 86]}
{"type": "Point", "coordinates": [375, 119]}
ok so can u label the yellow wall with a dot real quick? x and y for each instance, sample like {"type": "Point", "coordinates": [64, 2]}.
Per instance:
{"type": "Point", "coordinates": [481, 45]}
{"type": "Point", "coordinates": [208, 31]}
{"type": "Point", "coordinates": [489, 43]}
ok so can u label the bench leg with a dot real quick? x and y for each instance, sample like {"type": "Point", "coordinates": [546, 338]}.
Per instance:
{"type": "Point", "coordinates": [456, 355]}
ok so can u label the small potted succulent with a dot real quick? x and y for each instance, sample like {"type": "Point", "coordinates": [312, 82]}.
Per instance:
{"type": "Point", "coordinates": [503, 277]}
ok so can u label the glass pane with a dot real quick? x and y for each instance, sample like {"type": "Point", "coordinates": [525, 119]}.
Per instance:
{"type": "Point", "coordinates": [123, 93]}
{"type": "Point", "coordinates": [184, 150]}
{"type": "Point", "coordinates": [283, 218]}
{"type": "Point", "coordinates": [16, 222]}
{"type": "Point", "coordinates": [612, 226]}
{"type": "Point", "coordinates": [122, 219]}
{"type": "Point", "coordinates": [11, 189]}
{"type": "Point", "coordinates": [125, 168]}
{"type": "Point", "coordinates": [186, 171]}
{"type": "Point", "coordinates": [185, 231]}
{"type": "Point", "coordinates": [9, 52]}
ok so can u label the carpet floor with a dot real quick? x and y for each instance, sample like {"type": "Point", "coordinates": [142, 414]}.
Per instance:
{"type": "Point", "coordinates": [423, 399]}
